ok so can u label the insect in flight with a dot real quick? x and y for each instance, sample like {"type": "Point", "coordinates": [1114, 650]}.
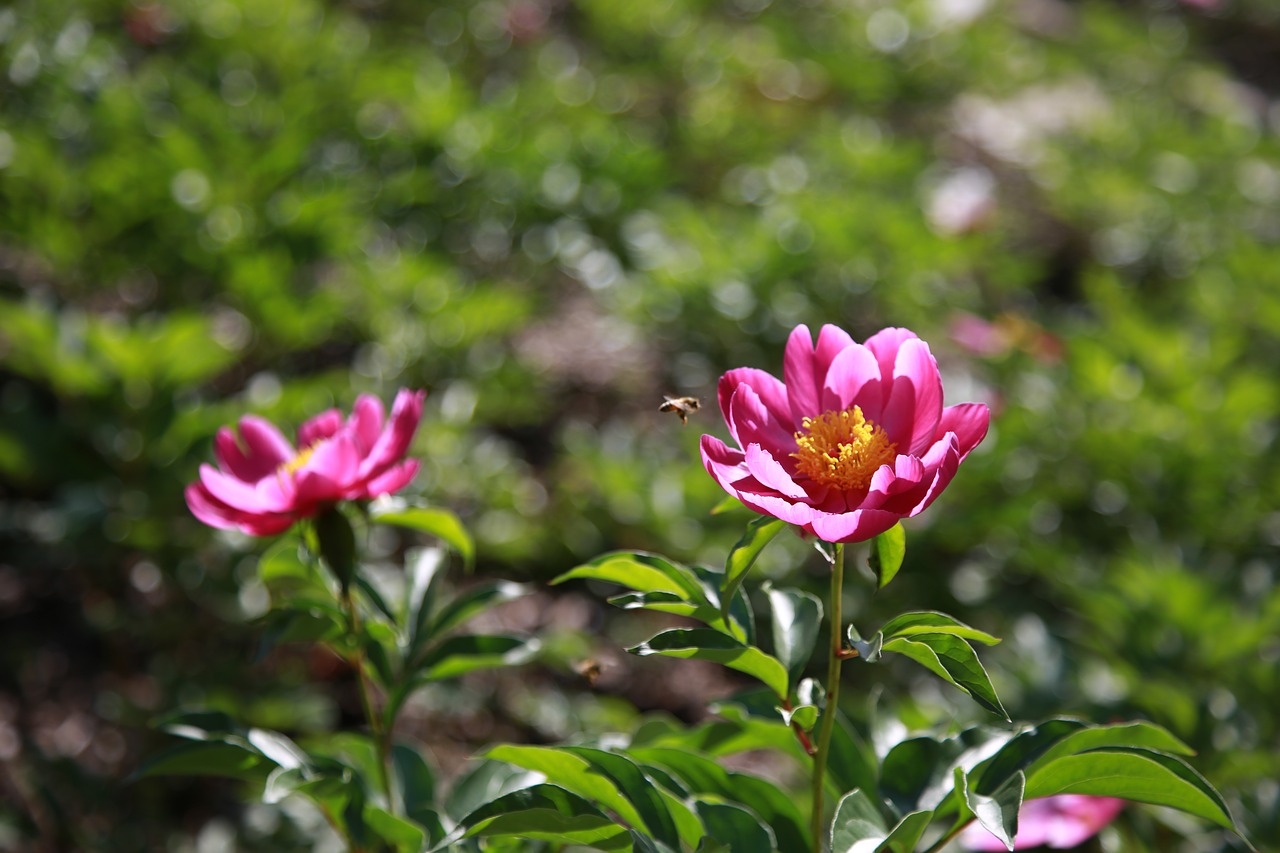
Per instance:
{"type": "Point", "coordinates": [682, 406]}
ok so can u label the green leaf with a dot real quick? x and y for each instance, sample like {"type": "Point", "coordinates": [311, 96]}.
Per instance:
{"type": "Point", "coordinates": [729, 504]}
{"type": "Point", "coordinates": [932, 622]}
{"type": "Point", "coordinates": [804, 716]}
{"type": "Point", "coordinates": [474, 601]}
{"type": "Point", "coordinates": [794, 617]}
{"type": "Point", "coordinates": [741, 621]}
{"type": "Point", "coordinates": [858, 824]}
{"type": "Point", "coordinates": [462, 654]}
{"type": "Point", "coordinates": [853, 763]}
{"type": "Point", "coordinates": [904, 837]}
{"type": "Point", "coordinates": [402, 834]}
{"type": "Point", "coordinates": [701, 775]}
{"type": "Point", "coordinates": [918, 774]}
{"type": "Point", "coordinates": [484, 782]}
{"type": "Point", "coordinates": [997, 813]}
{"type": "Point", "coordinates": [636, 787]}
{"type": "Point", "coordinates": [706, 644]}
{"type": "Point", "coordinates": [759, 533]}
{"type": "Point", "coordinates": [575, 774]}
{"type": "Point", "coordinates": [735, 827]}
{"type": "Point", "coordinates": [1132, 774]}
{"type": "Point", "coordinates": [953, 660]}
{"type": "Point", "coordinates": [205, 758]}
{"type": "Point", "coordinates": [887, 552]}
{"type": "Point", "coordinates": [1020, 751]}
{"type": "Point", "coordinates": [1135, 734]}
{"type": "Point", "coordinates": [642, 572]}
{"type": "Point", "coordinates": [432, 521]}
{"type": "Point", "coordinates": [337, 544]}
{"type": "Point", "coordinates": [278, 748]}
{"type": "Point", "coordinates": [413, 786]}
{"type": "Point", "coordinates": [423, 570]}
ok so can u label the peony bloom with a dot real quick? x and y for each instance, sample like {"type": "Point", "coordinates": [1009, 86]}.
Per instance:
{"type": "Point", "coordinates": [855, 439]}
{"type": "Point", "coordinates": [1062, 822]}
{"type": "Point", "coordinates": [262, 485]}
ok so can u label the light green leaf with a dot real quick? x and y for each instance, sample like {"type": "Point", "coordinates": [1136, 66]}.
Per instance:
{"type": "Point", "coordinates": [904, 837]}
{"type": "Point", "coordinates": [433, 521]}
{"type": "Point", "coordinates": [466, 653]}
{"type": "Point", "coordinates": [804, 716]}
{"type": "Point", "coordinates": [706, 644]}
{"type": "Point", "coordinates": [887, 552]}
{"type": "Point", "coordinates": [642, 572]}
{"type": "Point", "coordinates": [794, 617]}
{"type": "Point", "coordinates": [474, 601]}
{"type": "Point", "coordinates": [547, 813]}
{"type": "Point", "coordinates": [759, 533]}
{"type": "Point", "coordinates": [932, 622]}
{"type": "Point", "coordinates": [402, 834]}
{"type": "Point", "coordinates": [1135, 734]}
{"type": "Point", "coordinates": [636, 787]}
{"type": "Point", "coordinates": [953, 660]}
{"type": "Point", "coordinates": [1132, 774]}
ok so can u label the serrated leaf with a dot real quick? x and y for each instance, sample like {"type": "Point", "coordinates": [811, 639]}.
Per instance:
{"type": "Point", "coordinates": [794, 619]}
{"type": "Point", "coordinates": [1132, 774]}
{"type": "Point", "coordinates": [953, 660]}
{"type": "Point", "coordinates": [735, 827]}
{"type": "Point", "coordinates": [933, 622]}
{"type": "Point", "coordinates": [887, 553]}
{"type": "Point", "coordinates": [706, 644]}
{"type": "Point", "coordinates": [432, 521]}
{"type": "Point", "coordinates": [642, 572]}
{"type": "Point", "coordinates": [759, 533]}
{"type": "Point", "coordinates": [998, 813]}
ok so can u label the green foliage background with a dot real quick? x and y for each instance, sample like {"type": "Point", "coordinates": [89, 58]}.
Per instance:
{"type": "Point", "coordinates": [552, 212]}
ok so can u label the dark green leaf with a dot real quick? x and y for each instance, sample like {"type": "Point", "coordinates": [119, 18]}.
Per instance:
{"type": "Point", "coordinates": [904, 837]}
{"type": "Point", "coordinates": [794, 618]}
{"type": "Point", "coordinates": [735, 827]}
{"type": "Point", "coordinates": [473, 601]}
{"type": "Point", "coordinates": [887, 552]}
{"type": "Point", "coordinates": [759, 533]}
{"type": "Point", "coordinates": [400, 833]}
{"type": "Point", "coordinates": [462, 654]}
{"type": "Point", "coordinates": [412, 786]}
{"type": "Point", "coordinates": [932, 622]}
{"type": "Point", "coordinates": [1132, 774]}
{"type": "Point", "coordinates": [423, 570]}
{"type": "Point", "coordinates": [706, 644]}
{"type": "Point", "coordinates": [337, 544]}
{"type": "Point", "coordinates": [1020, 751]}
{"type": "Point", "coordinates": [853, 763]}
{"type": "Point", "coordinates": [375, 598]}
{"type": "Point", "coordinates": [636, 787]}
{"type": "Point", "coordinates": [917, 774]}
{"type": "Point", "coordinates": [432, 521]}
{"type": "Point", "coordinates": [952, 659]}
{"type": "Point", "coordinates": [202, 758]}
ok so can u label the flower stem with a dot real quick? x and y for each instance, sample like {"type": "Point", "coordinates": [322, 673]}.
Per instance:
{"type": "Point", "coordinates": [833, 696]}
{"type": "Point", "coordinates": [381, 734]}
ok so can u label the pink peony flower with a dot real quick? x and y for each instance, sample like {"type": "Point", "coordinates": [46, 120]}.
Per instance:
{"type": "Point", "coordinates": [1062, 822]}
{"type": "Point", "coordinates": [854, 440]}
{"type": "Point", "coordinates": [262, 485]}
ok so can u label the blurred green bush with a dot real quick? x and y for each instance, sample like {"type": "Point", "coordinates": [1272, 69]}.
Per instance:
{"type": "Point", "coordinates": [551, 213]}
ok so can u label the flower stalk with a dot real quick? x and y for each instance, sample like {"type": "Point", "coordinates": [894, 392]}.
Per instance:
{"type": "Point", "coordinates": [833, 697]}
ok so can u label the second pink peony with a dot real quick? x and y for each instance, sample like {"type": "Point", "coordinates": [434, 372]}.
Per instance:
{"type": "Point", "coordinates": [853, 438]}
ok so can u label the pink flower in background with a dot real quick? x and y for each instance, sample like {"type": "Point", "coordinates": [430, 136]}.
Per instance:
{"type": "Point", "coordinates": [855, 439]}
{"type": "Point", "coordinates": [262, 485]}
{"type": "Point", "coordinates": [1061, 822]}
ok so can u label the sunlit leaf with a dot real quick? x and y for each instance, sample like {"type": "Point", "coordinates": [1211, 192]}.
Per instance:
{"type": "Point", "coordinates": [706, 644]}
{"type": "Point", "coordinates": [760, 532]}
{"type": "Point", "coordinates": [953, 660]}
{"type": "Point", "coordinates": [887, 552]}
{"type": "Point", "coordinates": [997, 813]}
{"type": "Point", "coordinates": [642, 572]}
{"type": "Point", "coordinates": [795, 618]}
{"type": "Point", "coordinates": [433, 521]}
{"type": "Point", "coordinates": [932, 622]}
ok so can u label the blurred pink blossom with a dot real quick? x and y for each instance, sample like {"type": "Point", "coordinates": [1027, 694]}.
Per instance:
{"type": "Point", "coordinates": [855, 439]}
{"type": "Point", "coordinates": [262, 485]}
{"type": "Point", "coordinates": [1061, 822]}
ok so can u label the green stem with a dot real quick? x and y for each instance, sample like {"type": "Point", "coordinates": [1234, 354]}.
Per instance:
{"type": "Point", "coordinates": [833, 696]}
{"type": "Point", "coordinates": [381, 733]}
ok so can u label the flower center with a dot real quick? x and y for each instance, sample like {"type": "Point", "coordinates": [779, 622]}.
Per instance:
{"type": "Point", "coordinates": [842, 449]}
{"type": "Point", "coordinates": [295, 464]}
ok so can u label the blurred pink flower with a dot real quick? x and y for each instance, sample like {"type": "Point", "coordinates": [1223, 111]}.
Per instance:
{"type": "Point", "coordinates": [262, 485]}
{"type": "Point", "coordinates": [1061, 822]}
{"type": "Point", "coordinates": [855, 438]}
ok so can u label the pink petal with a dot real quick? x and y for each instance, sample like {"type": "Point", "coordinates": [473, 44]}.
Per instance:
{"type": "Point", "coordinates": [943, 459]}
{"type": "Point", "coordinates": [725, 464]}
{"type": "Point", "coordinates": [969, 421]}
{"type": "Point", "coordinates": [395, 479]}
{"type": "Point", "coordinates": [885, 344]}
{"type": "Point", "coordinates": [1062, 822]}
{"type": "Point", "coordinates": [753, 421]}
{"type": "Point", "coordinates": [853, 378]}
{"type": "Point", "coordinates": [889, 482]}
{"type": "Point", "coordinates": [264, 441]}
{"type": "Point", "coordinates": [857, 526]}
{"type": "Point", "coordinates": [322, 426]}
{"type": "Point", "coordinates": [366, 421]}
{"type": "Point", "coordinates": [394, 440]}
{"type": "Point", "coordinates": [766, 386]}
{"type": "Point", "coordinates": [232, 459]}
{"type": "Point", "coordinates": [805, 367]}
{"type": "Point", "coordinates": [769, 472]}
{"type": "Point", "coordinates": [215, 514]}
{"type": "Point", "coordinates": [329, 472]}
{"type": "Point", "coordinates": [237, 494]}
{"type": "Point", "coordinates": [914, 406]}
{"type": "Point", "coordinates": [778, 507]}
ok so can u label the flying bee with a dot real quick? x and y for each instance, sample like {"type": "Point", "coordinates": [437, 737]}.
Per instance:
{"type": "Point", "coordinates": [682, 406]}
{"type": "Point", "coordinates": [588, 669]}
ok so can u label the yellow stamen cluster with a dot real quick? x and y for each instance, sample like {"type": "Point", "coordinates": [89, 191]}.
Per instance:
{"type": "Point", "coordinates": [295, 464]}
{"type": "Point", "coordinates": [842, 449]}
